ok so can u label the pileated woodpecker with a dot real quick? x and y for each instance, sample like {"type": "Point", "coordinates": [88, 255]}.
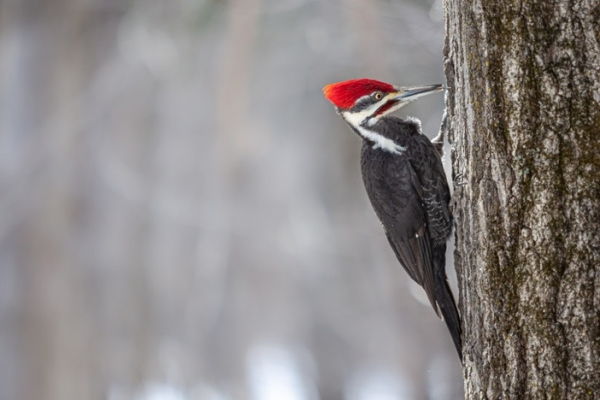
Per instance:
{"type": "Point", "coordinates": [406, 184]}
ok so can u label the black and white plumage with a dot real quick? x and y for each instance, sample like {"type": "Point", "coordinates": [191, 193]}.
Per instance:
{"type": "Point", "coordinates": [404, 178]}
{"type": "Point", "coordinates": [410, 195]}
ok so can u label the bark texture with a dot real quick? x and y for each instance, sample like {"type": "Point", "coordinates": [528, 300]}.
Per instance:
{"type": "Point", "coordinates": [524, 125]}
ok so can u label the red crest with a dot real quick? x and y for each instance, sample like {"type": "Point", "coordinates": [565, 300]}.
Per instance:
{"type": "Point", "coordinates": [344, 94]}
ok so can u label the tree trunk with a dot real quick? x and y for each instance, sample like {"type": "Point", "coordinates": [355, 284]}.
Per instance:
{"type": "Point", "coordinates": [524, 124]}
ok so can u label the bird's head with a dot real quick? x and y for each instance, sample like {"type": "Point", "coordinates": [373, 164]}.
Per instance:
{"type": "Point", "coordinates": [361, 102]}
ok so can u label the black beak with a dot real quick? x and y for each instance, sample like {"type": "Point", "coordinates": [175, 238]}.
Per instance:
{"type": "Point", "coordinates": [405, 94]}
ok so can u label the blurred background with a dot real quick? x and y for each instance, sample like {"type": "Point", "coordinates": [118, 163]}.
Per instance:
{"type": "Point", "coordinates": [182, 212]}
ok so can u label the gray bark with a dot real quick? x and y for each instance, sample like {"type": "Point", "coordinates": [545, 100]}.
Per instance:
{"type": "Point", "coordinates": [524, 125]}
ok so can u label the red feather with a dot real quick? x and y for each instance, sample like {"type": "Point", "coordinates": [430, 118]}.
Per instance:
{"type": "Point", "coordinates": [385, 107]}
{"type": "Point", "coordinates": [344, 94]}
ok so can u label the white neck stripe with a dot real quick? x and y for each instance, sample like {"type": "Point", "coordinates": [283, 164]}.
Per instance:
{"type": "Point", "coordinates": [360, 119]}
{"type": "Point", "coordinates": [380, 142]}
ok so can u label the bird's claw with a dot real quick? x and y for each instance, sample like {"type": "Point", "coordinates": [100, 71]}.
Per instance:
{"type": "Point", "coordinates": [459, 180]}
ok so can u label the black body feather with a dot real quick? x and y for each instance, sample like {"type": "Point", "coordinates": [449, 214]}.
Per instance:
{"type": "Point", "coordinates": [410, 195]}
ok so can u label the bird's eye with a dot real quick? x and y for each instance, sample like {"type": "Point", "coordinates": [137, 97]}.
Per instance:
{"type": "Point", "coordinates": [377, 95]}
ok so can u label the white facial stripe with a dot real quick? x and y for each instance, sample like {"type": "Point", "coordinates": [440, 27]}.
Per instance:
{"type": "Point", "coordinates": [358, 118]}
{"type": "Point", "coordinates": [362, 119]}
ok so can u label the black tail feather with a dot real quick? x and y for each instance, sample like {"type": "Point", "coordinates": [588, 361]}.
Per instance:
{"type": "Point", "coordinates": [445, 300]}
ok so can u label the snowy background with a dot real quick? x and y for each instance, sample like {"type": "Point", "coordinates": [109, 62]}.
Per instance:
{"type": "Point", "coordinates": [182, 212]}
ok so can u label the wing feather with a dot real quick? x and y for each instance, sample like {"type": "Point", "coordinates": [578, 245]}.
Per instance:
{"type": "Point", "coordinates": [396, 195]}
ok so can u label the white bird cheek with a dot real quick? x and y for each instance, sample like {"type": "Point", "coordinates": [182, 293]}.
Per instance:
{"type": "Point", "coordinates": [357, 119]}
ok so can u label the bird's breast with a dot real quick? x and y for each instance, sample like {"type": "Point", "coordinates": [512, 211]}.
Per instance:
{"type": "Point", "coordinates": [386, 177]}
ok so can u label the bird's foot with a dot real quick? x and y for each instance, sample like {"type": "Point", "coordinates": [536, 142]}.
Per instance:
{"type": "Point", "coordinates": [452, 204]}
{"type": "Point", "coordinates": [459, 180]}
